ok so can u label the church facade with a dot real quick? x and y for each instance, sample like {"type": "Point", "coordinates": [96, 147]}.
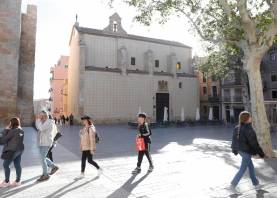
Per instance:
{"type": "Point", "coordinates": [113, 75]}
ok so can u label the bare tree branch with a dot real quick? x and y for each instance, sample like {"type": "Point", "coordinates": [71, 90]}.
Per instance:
{"type": "Point", "coordinates": [248, 24]}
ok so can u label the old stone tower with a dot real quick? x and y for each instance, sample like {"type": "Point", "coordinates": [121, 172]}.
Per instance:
{"type": "Point", "coordinates": [17, 61]}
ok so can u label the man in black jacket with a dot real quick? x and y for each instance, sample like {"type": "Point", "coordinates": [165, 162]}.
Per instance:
{"type": "Point", "coordinates": [145, 132]}
{"type": "Point", "coordinates": [246, 144]}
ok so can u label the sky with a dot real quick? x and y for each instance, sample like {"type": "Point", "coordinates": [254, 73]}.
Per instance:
{"type": "Point", "coordinates": [56, 18]}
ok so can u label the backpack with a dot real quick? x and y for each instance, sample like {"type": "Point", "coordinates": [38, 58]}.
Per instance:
{"type": "Point", "coordinates": [235, 140]}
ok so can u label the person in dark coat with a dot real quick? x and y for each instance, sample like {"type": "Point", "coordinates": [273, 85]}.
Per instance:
{"type": "Point", "coordinates": [71, 117]}
{"type": "Point", "coordinates": [248, 146]}
{"type": "Point", "coordinates": [145, 132]}
{"type": "Point", "coordinates": [12, 139]}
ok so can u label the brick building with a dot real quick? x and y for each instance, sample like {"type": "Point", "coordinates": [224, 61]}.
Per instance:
{"type": "Point", "coordinates": [210, 97]}
{"type": "Point", "coordinates": [17, 55]}
{"type": "Point", "coordinates": [58, 89]}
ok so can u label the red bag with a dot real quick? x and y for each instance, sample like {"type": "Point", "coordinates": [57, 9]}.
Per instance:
{"type": "Point", "coordinates": [140, 144]}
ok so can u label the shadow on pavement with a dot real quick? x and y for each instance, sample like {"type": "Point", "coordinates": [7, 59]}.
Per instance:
{"type": "Point", "coordinates": [126, 189]}
{"type": "Point", "coordinates": [57, 193]}
{"type": "Point", "coordinates": [7, 192]}
{"type": "Point", "coordinates": [260, 193]}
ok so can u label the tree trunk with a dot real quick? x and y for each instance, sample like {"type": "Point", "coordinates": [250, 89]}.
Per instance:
{"type": "Point", "coordinates": [259, 115]}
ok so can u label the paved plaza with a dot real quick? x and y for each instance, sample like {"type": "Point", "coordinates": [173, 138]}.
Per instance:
{"type": "Point", "coordinates": [190, 162]}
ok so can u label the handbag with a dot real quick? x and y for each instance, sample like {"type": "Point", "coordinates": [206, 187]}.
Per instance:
{"type": "Point", "coordinates": [7, 155]}
{"type": "Point", "coordinates": [58, 136]}
{"type": "Point", "coordinates": [140, 144]}
{"type": "Point", "coordinates": [97, 138]}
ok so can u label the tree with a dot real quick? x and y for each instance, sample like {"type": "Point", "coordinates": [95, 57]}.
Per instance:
{"type": "Point", "coordinates": [249, 25]}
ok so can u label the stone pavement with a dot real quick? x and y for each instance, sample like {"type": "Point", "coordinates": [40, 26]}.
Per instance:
{"type": "Point", "coordinates": [190, 162]}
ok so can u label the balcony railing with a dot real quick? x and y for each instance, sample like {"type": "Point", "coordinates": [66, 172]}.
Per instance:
{"type": "Point", "coordinates": [238, 99]}
{"type": "Point", "coordinates": [214, 98]}
{"type": "Point", "coordinates": [227, 99]}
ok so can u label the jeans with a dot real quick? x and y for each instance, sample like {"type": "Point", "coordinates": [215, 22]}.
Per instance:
{"type": "Point", "coordinates": [246, 162]}
{"type": "Point", "coordinates": [44, 160]}
{"type": "Point", "coordinates": [16, 161]}
{"type": "Point", "coordinates": [86, 155]}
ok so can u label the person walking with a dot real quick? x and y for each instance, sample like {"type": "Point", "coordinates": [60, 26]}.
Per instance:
{"type": "Point", "coordinates": [12, 139]}
{"type": "Point", "coordinates": [245, 144]}
{"type": "Point", "coordinates": [144, 131]}
{"type": "Point", "coordinates": [47, 130]}
{"type": "Point", "coordinates": [88, 145]}
{"type": "Point", "coordinates": [71, 118]}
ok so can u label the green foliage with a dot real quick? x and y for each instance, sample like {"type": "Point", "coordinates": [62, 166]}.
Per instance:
{"type": "Point", "coordinates": [220, 62]}
{"type": "Point", "coordinates": [218, 22]}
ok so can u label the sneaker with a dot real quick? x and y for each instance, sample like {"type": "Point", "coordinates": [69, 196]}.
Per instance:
{"type": "Point", "coordinates": [81, 176]}
{"type": "Point", "coordinates": [136, 171]}
{"type": "Point", "coordinates": [16, 184]}
{"type": "Point", "coordinates": [43, 178]}
{"type": "Point", "coordinates": [4, 184]}
{"type": "Point", "coordinates": [100, 172]}
{"type": "Point", "coordinates": [234, 190]}
{"type": "Point", "coordinates": [54, 170]}
{"type": "Point", "coordinates": [151, 168]}
{"type": "Point", "coordinates": [258, 187]}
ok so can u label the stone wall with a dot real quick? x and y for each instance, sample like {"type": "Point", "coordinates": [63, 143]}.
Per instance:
{"type": "Point", "coordinates": [10, 23]}
{"type": "Point", "coordinates": [27, 65]}
{"type": "Point", "coordinates": [17, 50]}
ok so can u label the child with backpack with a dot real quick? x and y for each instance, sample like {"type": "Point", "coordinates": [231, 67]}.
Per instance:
{"type": "Point", "coordinates": [88, 140]}
{"type": "Point", "coordinates": [143, 132]}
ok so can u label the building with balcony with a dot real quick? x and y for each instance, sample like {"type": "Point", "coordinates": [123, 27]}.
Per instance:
{"type": "Point", "coordinates": [269, 77]}
{"type": "Point", "coordinates": [113, 74]}
{"type": "Point", "coordinates": [58, 87]}
{"type": "Point", "coordinates": [234, 96]}
{"type": "Point", "coordinates": [210, 97]}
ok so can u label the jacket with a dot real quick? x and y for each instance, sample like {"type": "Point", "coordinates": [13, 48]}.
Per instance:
{"type": "Point", "coordinates": [145, 132]}
{"type": "Point", "coordinates": [12, 139]}
{"type": "Point", "coordinates": [87, 139]}
{"type": "Point", "coordinates": [248, 142]}
{"type": "Point", "coordinates": [46, 132]}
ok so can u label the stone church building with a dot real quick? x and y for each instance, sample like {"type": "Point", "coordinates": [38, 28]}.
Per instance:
{"type": "Point", "coordinates": [113, 74]}
{"type": "Point", "coordinates": [17, 55]}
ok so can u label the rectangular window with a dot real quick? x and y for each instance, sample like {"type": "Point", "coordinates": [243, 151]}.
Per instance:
{"type": "Point", "coordinates": [180, 85]}
{"type": "Point", "coordinates": [227, 95]}
{"type": "Point", "coordinates": [274, 94]}
{"type": "Point", "coordinates": [214, 91]}
{"type": "Point", "coordinates": [274, 77]}
{"type": "Point", "coordinates": [157, 63]}
{"type": "Point", "coordinates": [204, 78]}
{"type": "Point", "coordinates": [133, 61]}
{"type": "Point", "coordinates": [213, 78]}
{"type": "Point", "coordinates": [178, 66]}
{"type": "Point", "coordinates": [204, 91]}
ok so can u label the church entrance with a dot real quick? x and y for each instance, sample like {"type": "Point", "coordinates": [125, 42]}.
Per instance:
{"type": "Point", "coordinates": [162, 101]}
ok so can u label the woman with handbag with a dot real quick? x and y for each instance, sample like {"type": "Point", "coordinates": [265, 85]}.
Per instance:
{"type": "Point", "coordinates": [12, 139]}
{"type": "Point", "coordinates": [143, 143]}
{"type": "Point", "coordinates": [88, 145]}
